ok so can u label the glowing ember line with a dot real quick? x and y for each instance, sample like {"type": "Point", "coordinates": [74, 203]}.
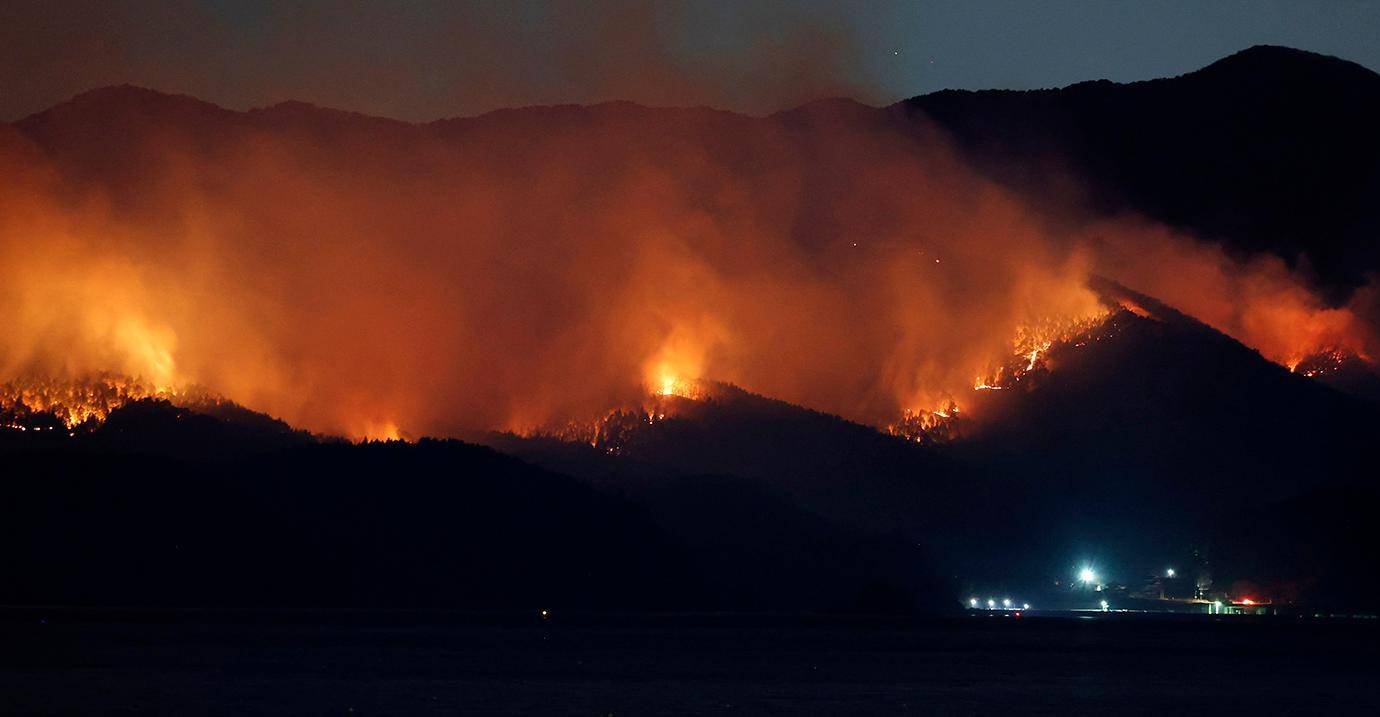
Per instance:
{"type": "Point", "coordinates": [1030, 348]}
{"type": "Point", "coordinates": [74, 403]}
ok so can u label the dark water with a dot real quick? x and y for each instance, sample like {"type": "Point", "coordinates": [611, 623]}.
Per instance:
{"type": "Point", "coordinates": [202, 663]}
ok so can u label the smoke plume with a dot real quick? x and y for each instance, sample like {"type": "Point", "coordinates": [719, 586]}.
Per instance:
{"type": "Point", "coordinates": [371, 278]}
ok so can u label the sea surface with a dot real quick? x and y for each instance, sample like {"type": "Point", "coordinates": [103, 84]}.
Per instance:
{"type": "Point", "coordinates": [314, 663]}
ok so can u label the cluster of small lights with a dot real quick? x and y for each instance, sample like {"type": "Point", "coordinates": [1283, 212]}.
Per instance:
{"type": "Point", "coordinates": [994, 604]}
{"type": "Point", "coordinates": [37, 429]}
{"type": "Point", "coordinates": [1090, 579]}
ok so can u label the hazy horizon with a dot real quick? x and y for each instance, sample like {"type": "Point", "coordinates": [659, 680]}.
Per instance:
{"type": "Point", "coordinates": [424, 61]}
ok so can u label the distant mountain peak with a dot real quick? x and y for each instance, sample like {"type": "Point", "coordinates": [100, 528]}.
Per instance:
{"type": "Point", "coordinates": [125, 91]}
{"type": "Point", "coordinates": [131, 96]}
{"type": "Point", "coordinates": [1279, 54]}
{"type": "Point", "coordinates": [124, 104]}
{"type": "Point", "coordinates": [1272, 63]}
{"type": "Point", "coordinates": [1278, 62]}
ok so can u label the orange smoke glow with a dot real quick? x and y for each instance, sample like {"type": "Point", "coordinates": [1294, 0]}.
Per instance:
{"type": "Point", "coordinates": [380, 280]}
{"type": "Point", "coordinates": [1261, 302]}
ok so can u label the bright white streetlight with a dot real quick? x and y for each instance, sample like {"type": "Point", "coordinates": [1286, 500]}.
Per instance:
{"type": "Point", "coordinates": [1169, 573]}
{"type": "Point", "coordinates": [1104, 606]}
{"type": "Point", "coordinates": [1087, 576]}
{"type": "Point", "coordinates": [1006, 602]}
{"type": "Point", "coordinates": [972, 603]}
{"type": "Point", "coordinates": [1025, 606]}
{"type": "Point", "coordinates": [991, 604]}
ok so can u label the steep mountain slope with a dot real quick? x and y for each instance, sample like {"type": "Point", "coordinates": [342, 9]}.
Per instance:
{"type": "Point", "coordinates": [1147, 438]}
{"type": "Point", "coordinates": [1153, 441]}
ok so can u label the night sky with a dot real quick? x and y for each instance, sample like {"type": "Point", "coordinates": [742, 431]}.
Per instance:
{"type": "Point", "coordinates": [426, 60]}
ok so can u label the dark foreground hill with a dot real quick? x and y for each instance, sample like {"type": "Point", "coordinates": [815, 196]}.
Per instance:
{"type": "Point", "coordinates": [1147, 440]}
{"type": "Point", "coordinates": [161, 507]}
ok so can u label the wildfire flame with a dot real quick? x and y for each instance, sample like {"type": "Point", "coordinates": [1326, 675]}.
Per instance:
{"type": "Point", "coordinates": [618, 431]}
{"type": "Point", "coordinates": [381, 431]}
{"type": "Point", "coordinates": [1323, 362]}
{"type": "Point", "coordinates": [1029, 352]}
{"type": "Point", "coordinates": [513, 272]}
{"type": "Point", "coordinates": [76, 404]}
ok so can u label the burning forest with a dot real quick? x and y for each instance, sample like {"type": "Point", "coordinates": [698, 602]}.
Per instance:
{"type": "Point", "coordinates": [571, 357]}
{"type": "Point", "coordinates": [530, 268]}
{"type": "Point", "coordinates": [76, 404]}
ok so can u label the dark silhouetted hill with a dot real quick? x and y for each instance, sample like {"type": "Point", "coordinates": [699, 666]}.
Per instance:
{"type": "Point", "coordinates": [1157, 437]}
{"type": "Point", "coordinates": [1270, 149]}
{"type": "Point", "coordinates": [163, 506]}
{"type": "Point", "coordinates": [843, 470]}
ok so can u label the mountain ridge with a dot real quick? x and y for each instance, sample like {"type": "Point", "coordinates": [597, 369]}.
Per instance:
{"type": "Point", "coordinates": [1279, 139]}
{"type": "Point", "coordinates": [1254, 58]}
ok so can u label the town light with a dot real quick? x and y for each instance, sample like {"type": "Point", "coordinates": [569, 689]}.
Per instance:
{"type": "Point", "coordinates": [1006, 602]}
{"type": "Point", "coordinates": [972, 603]}
{"type": "Point", "coordinates": [1105, 605]}
{"type": "Point", "coordinates": [1169, 573]}
{"type": "Point", "coordinates": [1087, 576]}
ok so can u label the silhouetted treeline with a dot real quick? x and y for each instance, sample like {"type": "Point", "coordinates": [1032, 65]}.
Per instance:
{"type": "Point", "coordinates": [162, 507]}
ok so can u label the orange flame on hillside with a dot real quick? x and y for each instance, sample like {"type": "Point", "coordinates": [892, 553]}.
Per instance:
{"type": "Point", "coordinates": [1028, 354]}
{"type": "Point", "coordinates": [32, 402]}
{"type": "Point", "coordinates": [514, 271]}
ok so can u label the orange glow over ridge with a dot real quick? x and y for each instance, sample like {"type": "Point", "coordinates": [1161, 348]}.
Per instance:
{"type": "Point", "coordinates": [555, 264]}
